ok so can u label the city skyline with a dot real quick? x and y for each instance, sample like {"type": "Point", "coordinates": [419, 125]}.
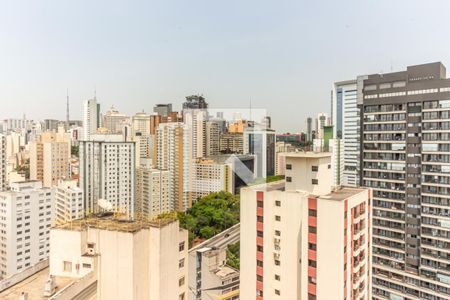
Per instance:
{"type": "Point", "coordinates": [153, 53]}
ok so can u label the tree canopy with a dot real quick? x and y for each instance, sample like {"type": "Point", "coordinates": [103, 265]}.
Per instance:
{"type": "Point", "coordinates": [210, 215]}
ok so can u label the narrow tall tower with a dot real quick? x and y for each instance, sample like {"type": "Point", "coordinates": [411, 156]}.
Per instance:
{"type": "Point", "coordinates": [67, 110]}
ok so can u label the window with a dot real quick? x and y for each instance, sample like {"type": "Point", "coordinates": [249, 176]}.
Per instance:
{"type": "Point", "coordinates": [277, 203]}
{"type": "Point", "coordinates": [181, 263]}
{"type": "Point", "coordinates": [277, 218]}
{"type": "Point", "coordinates": [277, 233]}
{"type": "Point", "coordinates": [259, 248]}
{"type": "Point", "coordinates": [259, 233]}
{"type": "Point", "coordinates": [311, 280]}
{"type": "Point", "coordinates": [277, 292]}
{"type": "Point", "coordinates": [182, 297]}
{"type": "Point", "coordinates": [315, 181]}
{"type": "Point", "coordinates": [314, 168]}
{"type": "Point", "coordinates": [288, 179]}
{"type": "Point", "coordinates": [312, 212]}
{"type": "Point", "coordinates": [277, 262]}
{"type": "Point", "coordinates": [288, 167]}
{"type": "Point", "coordinates": [67, 266]}
{"type": "Point", "coordinates": [277, 277]}
{"type": "Point", "coordinates": [259, 278]}
{"type": "Point", "coordinates": [259, 263]}
{"type": "Point", "coordinates": [181, 281]}
{"type": "Point", "coordinates": [87, 266]}
{"type": "Point", "coordinates": [312, 246]}
{"type": "Point", "coordinates": [181, 247]}
{"type": "Point", "coordinates": [312, 263]}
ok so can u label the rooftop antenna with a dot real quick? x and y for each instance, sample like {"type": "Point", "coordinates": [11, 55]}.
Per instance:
{"type": "Point", "coordinates": [67, 109]}
{"type": "Point", "coordinates": [250, 109]}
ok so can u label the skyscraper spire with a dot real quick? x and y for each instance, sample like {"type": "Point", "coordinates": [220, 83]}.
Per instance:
{"type": "Point", "coordinates": [67, 110]}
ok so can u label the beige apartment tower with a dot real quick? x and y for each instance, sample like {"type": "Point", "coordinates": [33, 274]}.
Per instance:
{"type": "Point", "coordinates": [304, 239]}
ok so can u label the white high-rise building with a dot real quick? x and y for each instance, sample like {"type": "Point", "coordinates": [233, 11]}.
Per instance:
{"type": "Point", "coordinates": [174, 154]}
{"type": "Point", "coordinates": [26, 214]}
{"type": "Point", "coordinates": [195, 119]}
{"type": "Point", "coordinates": [345, 116]}
{"type": "Point", "coordinates": [2, 162]}
{"type": "Point", "coordinates": [69, 201]}
{"type": "Point", "coordinates": [91, 118]}
{"type": "Point", "coordinates": [107, 171]}
{"type": "Point", "coordinates": [153, 193]}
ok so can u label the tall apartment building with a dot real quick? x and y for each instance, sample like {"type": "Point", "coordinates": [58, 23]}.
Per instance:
{"type": "Point", "coordinates": [173, 152]}
{"type": "Point", "coordinates": [405, 159]}
{"type": "Point", "coordinates": [195, 120]}
{"type": "Point", "coordinates": [153, 193]}
{"type": "Point", "coordinates": [49, 157]}
{"type": "Point", "coordinates": [195, 102]}
{"type": "Point", "coordinates": [302, 239]}
{"type": "Point", "coordinates": [26, 214]}
{"type": "Point", "coordinates": [91, 118]}
{"type": "Point", "coordinates": [346, 121]}
{"type": "Point", "coordinates": [260, 142]}
{"type": "Point", "coordinates": [3, 160]}
{"type": "Point", "coordinates": [212, 140]}
{"type": "Point", "coordinates": [114, 121]}
{"type": "Point", "coordinates": [128, 260]}
{"type": "Point", "coordinates": [107, 171]}
{"type": "Point", "coordinates": [68, 201]}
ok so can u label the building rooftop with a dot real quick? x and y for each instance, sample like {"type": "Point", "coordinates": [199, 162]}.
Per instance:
{"type": "Point", "coordinates": [342, 193]}
{"type": "Point", "coordinates": [225, 271]}
{"type": "Point", "coordinates": [34, 285]}
{"type": "Point", "coordinates": [112, 222]}
{"type": "Point", "coordinates": [308, 154]}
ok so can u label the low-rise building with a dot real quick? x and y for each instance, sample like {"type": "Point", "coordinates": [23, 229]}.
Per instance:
{"type": "Point", "coordinates": [69, 201]}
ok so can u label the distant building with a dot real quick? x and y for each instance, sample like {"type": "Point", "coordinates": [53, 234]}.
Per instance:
{"type": "Point", "coordinates": [212, 140]}
{"type": "Point", "coordinates": [3, 159]}
{"type": "Point", "coordinates": [26, 214]}
{"type": "Point", "coordinates": [163, 109]}
{"type": "Point", "coordinates": [346, 121]}
{"type": "Point", "coordinates": [301, 239]}
{"type": "Point", "coordinates": [114, 121]}
{"type": "Point", "coordinates": [51, 125]}
{"type": "Point", "coordinates": [107, 171]}
{"type": "Point", "coordinates": [127, 260]}
{"type": "Point", "coordinates": [195, 102]}
{"type": "Point", "coordinates": [231, 143]}
{"type": "Point", "coordinates": [209, 176]}
{"type": "Point", "coordinates": [49, 157]}
{"type": "Point", "coordinates": [173, 153]}
{"type": "Point", "coordinates": [261, 143]}
{"type": "Point", "coordinates": [69, 201]}
{"type": "Point", "coordinates": [91, 118]}
{"type": "Point", "coordinates": [322, 120]}
{"type": "Point", "coordinates": [309, 129]}
{"type": "Point", "coordinates": [153, 192]}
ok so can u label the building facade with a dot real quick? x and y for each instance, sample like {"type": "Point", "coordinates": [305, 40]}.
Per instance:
{"type": "Point", "coordinates": [130, 260]}
{"type": "Point", "coordinates": [153, 193]}
{"type": "Point", "coordinates": [261, 144]}
{"type": "Point", "coordinates": [107, 171]}
{"type": "Point", "coordinates": [26, 214]}
{"type": "Point", "coordinates": [3, 177]}
{"type": "Point", "coordinates": [346, 127]}
{"type": "Point", "coordinates": [68, 201]}
{"type": "Point", "coordinates": [301, 239]}
{"type": "Point", "coordinates": [91, 118]}
{"type": "Point", "coordinates": [49, 157]}
{"type": "Point", "coordinates": [405, 157]}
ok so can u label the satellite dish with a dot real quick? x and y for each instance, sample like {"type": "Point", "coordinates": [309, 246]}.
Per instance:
{"type": "Point", "coordinates": [104, 204]}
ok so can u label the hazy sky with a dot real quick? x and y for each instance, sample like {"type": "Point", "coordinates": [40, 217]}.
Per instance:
{"type": "Point", "coordinates": [283, 55]}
